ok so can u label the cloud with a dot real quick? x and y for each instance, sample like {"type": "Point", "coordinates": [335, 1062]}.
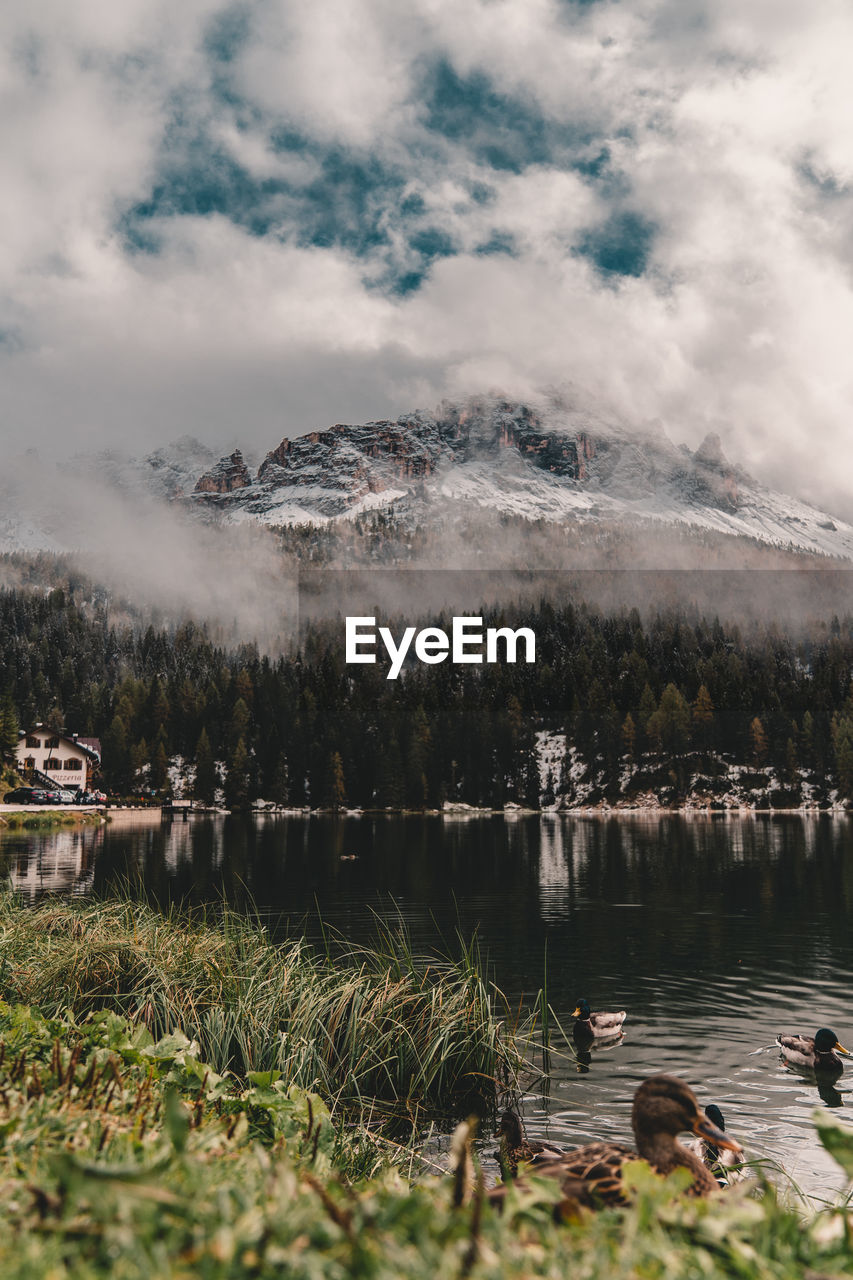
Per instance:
{"type": "Point", "coordinates": [250, 219]}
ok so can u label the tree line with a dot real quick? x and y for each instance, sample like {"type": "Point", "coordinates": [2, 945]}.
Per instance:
{"type": "Point", "coordinates": [305, 729]}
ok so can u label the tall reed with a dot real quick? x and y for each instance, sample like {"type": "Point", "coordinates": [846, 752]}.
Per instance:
{"type": "Point", "coordinates": [368, 1026]}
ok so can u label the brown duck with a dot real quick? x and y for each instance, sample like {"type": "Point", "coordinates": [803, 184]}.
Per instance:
{"type": "Point", "coordinates": [516, 1149]}
{"type": "Point", "coordinates": [663, 1107]}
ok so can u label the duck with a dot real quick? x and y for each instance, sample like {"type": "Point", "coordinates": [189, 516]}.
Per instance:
{"type": "Point", "coordinates": [722, 1163]}
{"type": "Point", "coordinates": [819, 1051]}
{"type": "Point", "coordinates": [591, 1026]}
{"type": "Point", "coordinates": [515, 1147]}
{"type": "Point", "coordinates": [664, 1107]}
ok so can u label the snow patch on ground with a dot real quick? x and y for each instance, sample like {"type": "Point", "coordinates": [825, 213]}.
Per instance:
{"type": "Point", "coordinates": [550, 754]}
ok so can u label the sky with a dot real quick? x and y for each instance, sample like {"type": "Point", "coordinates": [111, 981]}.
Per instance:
{"type": "Point", "coordinates": [245, 221]}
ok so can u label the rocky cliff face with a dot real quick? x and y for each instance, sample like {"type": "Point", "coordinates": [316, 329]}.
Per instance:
{"type": "Point", "coordinates": [331, 472]}
{"type": "Point", "coordinates": [552, 461]}
{"type": "Point", "coordinates": [228, 475]}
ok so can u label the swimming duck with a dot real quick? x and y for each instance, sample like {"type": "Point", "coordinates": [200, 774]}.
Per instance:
{"type": "Point", "coordinates": [590, 1026]}
{"type": "Point", "coordinates": [663, 1107]}
{"type": "Point", "coordinates": [516, 1149]}
{"type": "Point", "coordinates": [722, 1163]}
{"type": "Point", "coordinates": [819, 1051]}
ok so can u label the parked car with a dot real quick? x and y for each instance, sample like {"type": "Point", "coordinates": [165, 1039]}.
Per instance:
{"type": "Point", "coordinates": [89, 797]}
{"type": "Point", "coordinates": [60, 795]}
{"type": "Point", "coordinates": [26, 795]}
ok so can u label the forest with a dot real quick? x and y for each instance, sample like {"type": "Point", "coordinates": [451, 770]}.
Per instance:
{"type": "Point", "coordinates": [644, 703]}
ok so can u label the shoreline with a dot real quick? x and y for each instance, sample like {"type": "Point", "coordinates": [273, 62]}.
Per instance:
{"type": "Point", "coordinates": [47, 817]}
{"type": "Point", "coordinates": [30, 817]}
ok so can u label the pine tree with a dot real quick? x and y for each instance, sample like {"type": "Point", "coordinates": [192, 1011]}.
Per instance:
{"type": "Point", "coordinates": [204, 787]}
{"type": "Point", "coordinates": [842, 734]}
{"type": "Point", "coordinates": [336, 791]}
{"type": "Point", "coordinates": [792, 776]}
{"type": "Point", "coordinates": [8, 729]}
{"type": "Point", "coordinates": [159, 773]}
{"type": "Point", "coordinates": [758, 739]}
{"type": "Point", "coordinates": [389, 791]}
{"type": "Point", "coordinates": [629, 736]}
{"type": "Point", "coordinates": [530, 792]}
{"type": "Point", "coordinates": [808, 740]}
{"type": "Point", "coordinates": [116, 756]}
{"type": "Point", "coordinates": [670, 724]}
{"type": "Point", "coordinates": [237, 778]}
{"type": "Point", "coordinates": [239, 728]}
{"type": "Point", "coordinates": [648, 706]}
{"type": "Point", "coordinates": [703, 718]}
{"type": "Point", "coordinates": [139, 759]}
{"type": "Point", "coordinates": [159, 776]}
{"type": "Point", "coordinates": [280, 790]}
{"type": "Point", "coordinates": [418, 761]}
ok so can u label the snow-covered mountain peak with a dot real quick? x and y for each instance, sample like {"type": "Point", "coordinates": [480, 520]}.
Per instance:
{"type": "Point", "coordinates": [562, 460]}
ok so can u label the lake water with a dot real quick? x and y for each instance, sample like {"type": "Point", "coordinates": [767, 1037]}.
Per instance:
{"type": "Point", "coordinates": [715, 933]}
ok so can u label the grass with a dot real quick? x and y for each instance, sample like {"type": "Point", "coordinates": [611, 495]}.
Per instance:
{"type": "Point", "coordinates": [369, 1029]}
{"type": "Point", "coordinates": [184, 1098]}
{"type": "Point", "coordinates": [127, 1157]}
{"type": "Point", "coordinates": [41, 821]}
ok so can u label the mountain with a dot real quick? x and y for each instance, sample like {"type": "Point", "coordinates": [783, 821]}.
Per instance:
{"type": "Point", "coordinates": [554, 461]}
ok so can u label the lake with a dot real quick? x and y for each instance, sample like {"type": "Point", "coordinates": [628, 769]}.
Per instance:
{"type": "Point", "coordinates": [714, 932]}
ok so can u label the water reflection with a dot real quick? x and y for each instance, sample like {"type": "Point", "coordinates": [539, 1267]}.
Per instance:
{"type": "Point", "coordinates": [715, 933]}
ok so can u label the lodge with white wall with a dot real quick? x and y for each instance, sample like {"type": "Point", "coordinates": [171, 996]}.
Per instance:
{"type": "Point", "coordinates": [66, 759]}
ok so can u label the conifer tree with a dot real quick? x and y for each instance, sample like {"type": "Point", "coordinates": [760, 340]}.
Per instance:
{"type": "Point", "coordinates": [670, 724]}
{"type": "Point", "coordinates": [280, 791]}
{"type": "Point", "coordinates": [648, 706]}
{"type": "Point", "coordinates": [808, 740]}
{"type": "Point", "coordinates": [792, 776]}
{"type": "Point", "coordinates": [8, 729]}
{"type": "Point", "coordinates": [843, 742]}
{"type": "Point", "coordinates": [237, 778]}
{"type": "Point", "coordinates": [204, 786]}
{"type": "Point", "coordinates": [336, 790]}
{"type": "Point", "coordinates": [703, 717]}
{"type": "Point", "coordinates": [758, 739]}
{"type": "Point", "coordinates": [629, 737]}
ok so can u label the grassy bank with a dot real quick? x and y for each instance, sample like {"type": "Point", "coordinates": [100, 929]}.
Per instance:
{"type": "Point", "coordinates": [367, 1029]}
{"type": "Point", "coordinates": [47, 819]}
{"type": "Point", "coordinates": [123, 1156]}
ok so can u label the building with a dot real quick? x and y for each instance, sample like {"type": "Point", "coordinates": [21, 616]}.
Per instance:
{"type": "Point", "coordinates": [63, 760]}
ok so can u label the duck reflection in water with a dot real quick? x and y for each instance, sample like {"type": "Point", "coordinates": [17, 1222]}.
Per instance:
{"type": "Point", "coordinates": [585, 1049]}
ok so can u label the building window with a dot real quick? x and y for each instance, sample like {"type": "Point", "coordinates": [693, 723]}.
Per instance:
{"type": "Point", "coordinates": [29, 762]}
{"type": "Point", "coordinates": [52, 744]}
{"type": "Point", "coordinates": [53, 764]}
{"type": "Point", "coordinates": [74, 764]}
{"type": "Point", "coordinates": [32, 743]}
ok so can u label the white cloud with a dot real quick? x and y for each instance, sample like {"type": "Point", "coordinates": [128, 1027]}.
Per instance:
{"type": "Point", "coordinates": [712, 115]}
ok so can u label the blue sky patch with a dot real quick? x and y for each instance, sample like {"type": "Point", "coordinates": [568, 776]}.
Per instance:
{"type": "Point", "coordinates": [498, 242]}
{"type": "Point", "coordinates": [620, 245]}
{"type": "Point", "coordinates": [362, 202]}
{"type": "Point", "coordinates": [501, 131]}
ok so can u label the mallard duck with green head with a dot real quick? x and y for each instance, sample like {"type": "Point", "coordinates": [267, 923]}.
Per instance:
{"type": "Point", "coordinates": [819, 1051]}
{"type": "Point", "coordinates": [723, 1162]}
{"type": "Point", "coordinates": [595, 1026]}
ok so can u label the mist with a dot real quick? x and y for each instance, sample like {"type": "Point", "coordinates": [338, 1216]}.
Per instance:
{"type": "Point", "coordinates": [155, 554]}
